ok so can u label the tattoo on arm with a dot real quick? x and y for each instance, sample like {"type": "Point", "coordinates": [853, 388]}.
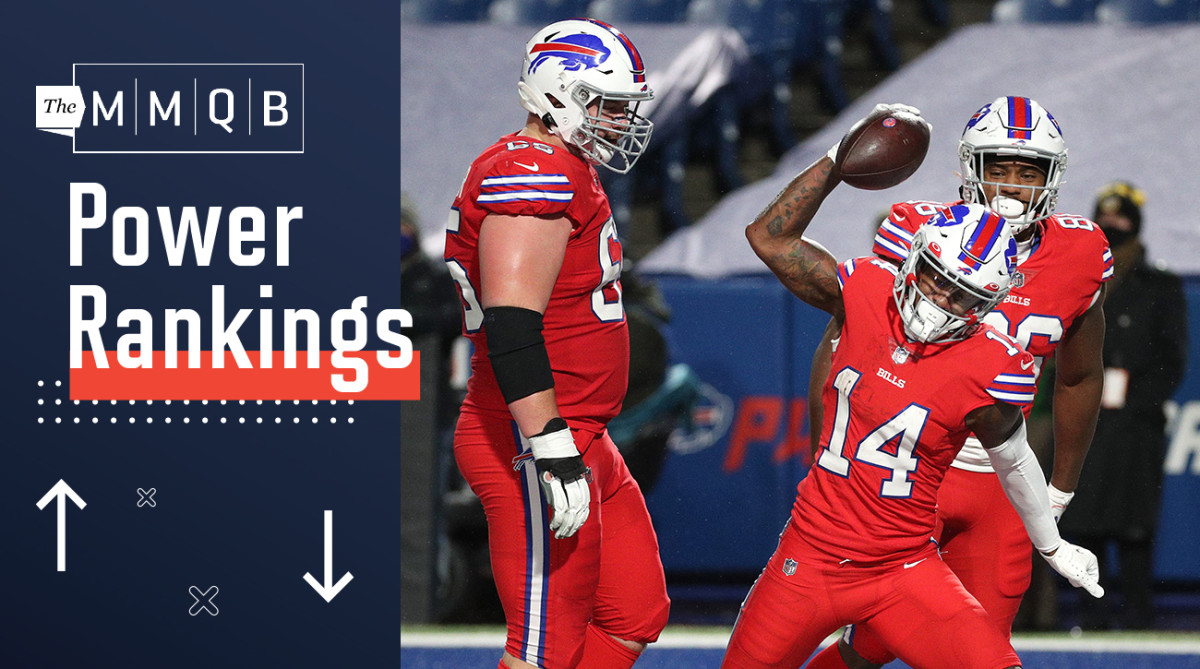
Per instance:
{"type": "Point", "coordinates": [795, 207]}
{"type": "Point", "coordinates": [809, 272]}
{"type": "Point", "coordinates": [777, 235]}
{"type": "Point", "coordinates": [775, 227]}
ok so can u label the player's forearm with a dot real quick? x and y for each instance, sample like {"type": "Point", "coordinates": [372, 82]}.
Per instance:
{"type": "Point", "coordinates": [1025, 487]}
{"type": "Point", "coordinates": [776, 235]}
{"type": "Point", "coordinates": [533, 411]}
{"type": "Point", "coordinates": [788, 215]}
{"type": "Point", "coordinates": [1075, 409]}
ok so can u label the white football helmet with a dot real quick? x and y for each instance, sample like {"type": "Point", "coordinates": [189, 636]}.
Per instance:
{"type": "Point", "coordinates": [958, 269]}
{"type": "Point", "coordinates": [574, 64]}
{"type": "Point", "coordinates": [1013, 126]}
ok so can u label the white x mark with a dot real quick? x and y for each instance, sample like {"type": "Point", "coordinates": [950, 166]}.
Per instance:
{"type": "Point", "coordinates": [146, 497]}
{"type": "Point", "coordinates": [204, 600]}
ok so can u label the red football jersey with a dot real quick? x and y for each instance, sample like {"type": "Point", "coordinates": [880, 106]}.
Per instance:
{"type": "Point", "coordinates": [894, 420]}
{"type": "Point", "coordinates": [585, 330]}
{"type": "Point", "coordinates": [1057, 279]}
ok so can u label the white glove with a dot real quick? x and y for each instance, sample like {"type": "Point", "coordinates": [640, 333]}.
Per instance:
{"type": "Point", "coordinates": [832, 154]}
{"type": "Point", "coordinates": [896, 108]}
{"type": "Point", "coordinates": [1058, 501]}
{"type": "Point", "coordinates": [564, 477]}
{"type": "Point", "coordinates": [1078, 565]}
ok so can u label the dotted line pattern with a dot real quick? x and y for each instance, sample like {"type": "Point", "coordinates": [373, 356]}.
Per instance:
{"type": "Point", "coordinates": [241, 420]}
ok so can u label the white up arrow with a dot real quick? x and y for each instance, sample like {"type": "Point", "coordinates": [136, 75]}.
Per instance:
{"type": "Point", "coordinates": [329, 590]}
{"type": "Point", "coordinates": [59, 491]}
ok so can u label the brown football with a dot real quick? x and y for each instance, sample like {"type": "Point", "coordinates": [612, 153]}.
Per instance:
{"type": "Point", "coordinates": [883, 149]}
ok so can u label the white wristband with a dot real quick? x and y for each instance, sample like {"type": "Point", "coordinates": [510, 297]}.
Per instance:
{"type": "Point", "coordinates": [1058, 497]}
{"type": "Point", "coordinates": [557, 444]}
{"type": "Point", "coordinates": [832, 154]}
{"type": "Point", "coordinates": [1058, 501]}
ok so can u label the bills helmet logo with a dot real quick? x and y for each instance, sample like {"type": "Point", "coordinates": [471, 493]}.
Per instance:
{"type": "Point", "coordinates": [978, 115]}
{"type": "Point", "coordinates": [1055, 122]}
{"type": "Point", "coordinates": [576, 52]}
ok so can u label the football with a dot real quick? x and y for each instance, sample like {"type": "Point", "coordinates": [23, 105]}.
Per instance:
{"type": "Point", "coordinates": [883, 149]}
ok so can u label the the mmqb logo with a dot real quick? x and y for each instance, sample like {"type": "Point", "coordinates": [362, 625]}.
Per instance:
{"type": "Point", "coordinates": [178, 108]}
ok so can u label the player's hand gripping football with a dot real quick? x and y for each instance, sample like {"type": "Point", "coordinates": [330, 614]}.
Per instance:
{"type": "Point", "coordinates": [1078, 565]}
{"type": "Point", "coordinates": [564, 477]}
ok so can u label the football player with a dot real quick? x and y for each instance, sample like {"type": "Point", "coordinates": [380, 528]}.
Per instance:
{"type": "Point", "coordinates": [532, 245]}
{"type": "Point", "coordinates": [1013, 158]}
{"type": "Point", "coordinates": [914, 371]}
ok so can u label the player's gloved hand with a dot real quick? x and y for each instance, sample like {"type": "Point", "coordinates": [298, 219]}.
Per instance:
{"type": "Point", "coordinates": [1058, 501]}
{"type": "Point", "coordinates": [881, 108]}
{"type": "Point", "coordinates": [897, 108]}
{"type": "Point", "coordinates": [564, 477]}
{"type": "Point", "coordinates": [1078, 565]}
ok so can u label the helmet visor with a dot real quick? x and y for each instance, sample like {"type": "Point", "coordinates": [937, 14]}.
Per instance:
{"type": "Point", "coordinates": [948, 292]}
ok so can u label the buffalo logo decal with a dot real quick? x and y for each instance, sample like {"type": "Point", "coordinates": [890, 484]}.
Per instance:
{"type": "Point", "coordinates": [577, 52]}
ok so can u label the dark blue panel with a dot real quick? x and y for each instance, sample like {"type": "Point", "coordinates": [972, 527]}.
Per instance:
{"type": "Point", "coordinates": [238, 505]}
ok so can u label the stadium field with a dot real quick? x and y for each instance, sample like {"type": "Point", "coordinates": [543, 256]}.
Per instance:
{"type": "Point", "coordinates": [701, 647]}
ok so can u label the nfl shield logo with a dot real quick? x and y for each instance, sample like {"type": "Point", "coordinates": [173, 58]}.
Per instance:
{"type": "Point", "coordinates": [789, 567]}
{"type": "Point", "coordinates": [1018, 279]}
{"type": "Point", "coordinates": [900, 355]}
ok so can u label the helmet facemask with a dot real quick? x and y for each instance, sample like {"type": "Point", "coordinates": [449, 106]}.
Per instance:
{"type": "Point", "coordinates": [1044, 200]}
{"type": "Point", "coordinates": [630, 132]}
{"type": "Point", "coordinates": [942, 290]}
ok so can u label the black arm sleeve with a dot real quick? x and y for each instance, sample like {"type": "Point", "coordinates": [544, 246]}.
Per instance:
{"type": "Point", "coordinates": [517, 351]}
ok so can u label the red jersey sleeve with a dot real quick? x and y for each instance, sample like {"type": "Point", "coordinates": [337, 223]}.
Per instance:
{"type": "Point", "coordinates": [1016, 383]}
{"type": "Point", "coordinates": [1083, 239]}
{"type": "Point", "coordinates": [530, 179]}
{"type": "Point", "coordinates": [894, 237]}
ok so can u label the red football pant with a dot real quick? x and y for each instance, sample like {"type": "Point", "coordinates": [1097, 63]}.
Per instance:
{"type": "Point", "coordinates": [983, 542]}
{"type": "Point", "coordinates": [920, 610]}
{"type": "Point", "coordinates": [608, 574]}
